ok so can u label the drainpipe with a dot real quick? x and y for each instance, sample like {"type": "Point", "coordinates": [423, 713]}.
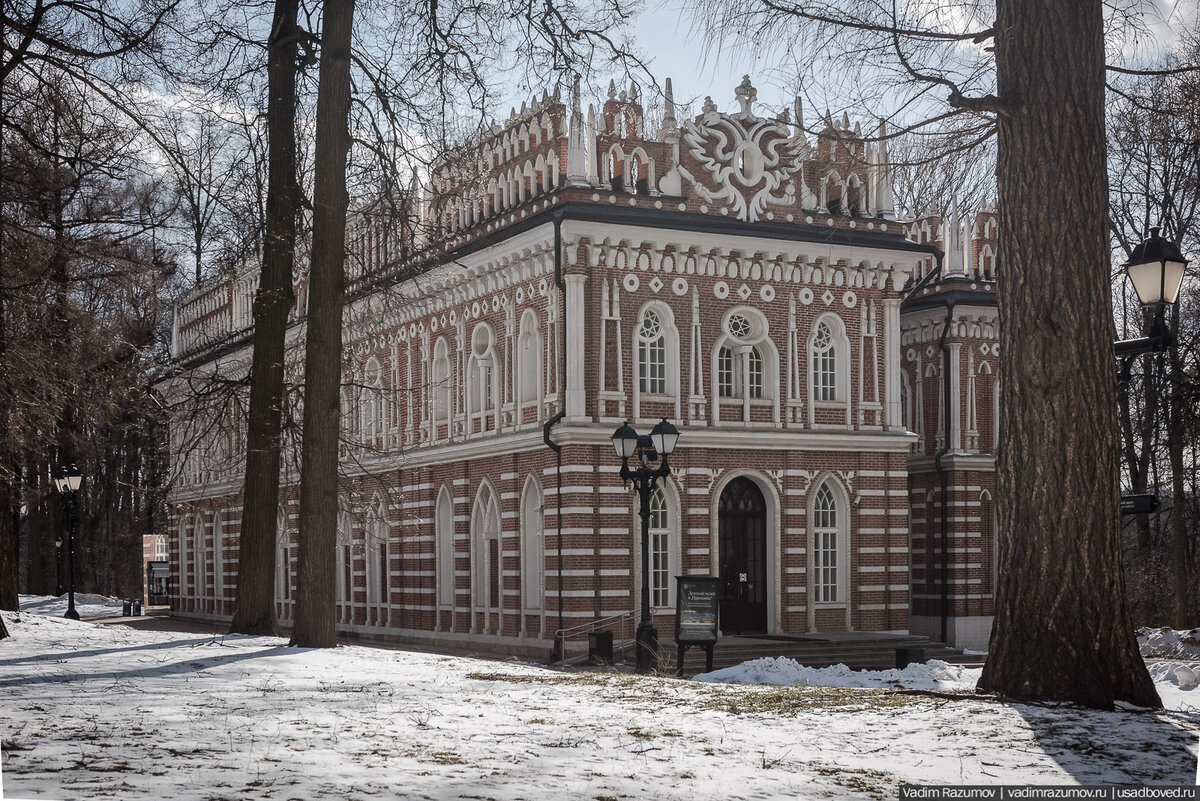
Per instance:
{"type": "Point", "coordinates": [941, 469]}
{"type": "Point", "coordinates": [559, 415]}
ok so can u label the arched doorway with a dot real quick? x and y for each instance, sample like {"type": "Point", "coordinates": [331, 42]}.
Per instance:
{"type": "Point", "coordinates": [742, 521]}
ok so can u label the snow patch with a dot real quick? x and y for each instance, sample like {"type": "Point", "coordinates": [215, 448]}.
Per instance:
{"type": "Point", "coordinates": [933, 675]}
{"type": "Point", "coordinates": [1166, 643]}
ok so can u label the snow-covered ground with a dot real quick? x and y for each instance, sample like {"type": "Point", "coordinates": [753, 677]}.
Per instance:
{"type": "Point", "coordinates": [106, 711]}
{"type": "Point", "coordinates": [86, 604]}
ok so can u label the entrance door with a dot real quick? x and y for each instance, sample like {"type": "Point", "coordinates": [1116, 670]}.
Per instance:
{"type": "Point", "coordinates": [742, 517]}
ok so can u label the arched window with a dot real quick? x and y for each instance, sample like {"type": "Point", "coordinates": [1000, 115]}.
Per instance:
{"type": "Point", "coordinates": [444, 541]}
{"type": "Point", "coordinates": [905, 402]}
{"type": "Point", "coordinates": [183, 576]}
{"type": "Point", "coordinates": [824, 364]}
{"type": "Point", "coordinates": [529, 360]}
{"type": "Point", "coordinates": [660, 550]}
{"type": "Point", "coordinates": [532, 546]}
{"type": "Point", "coordinates": [373, 411]}
{"type": "Point", "coordinates": [482, 386]}
{"type": "Point", "coordinates": [200, 566]}
{"type": "Point", "coordinates": [283, 566]}
{"type": "Point", "coordinates": [746, 366]}
{"type": "Point", "coordinates": [162, 548]}
{"type": "Point", "coordinates": [345, 565]}
{"type": "Point", "coordinates": [652, 355]}
{"type": "Point", "coordinates": [218, 560]}
{"type": "Point", "coordinates": [441, 382]}
{"type": "Point", "coordinates": [487, 573]}
{"type": "Point", "coordinates": [830, 552]}
{"type": "Point", "coordinates": [376, 556]}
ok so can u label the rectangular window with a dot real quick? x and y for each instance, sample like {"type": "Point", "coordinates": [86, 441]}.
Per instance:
{"type": "Point", "coordinates": [825, 375]}
{"type": "Point", "coordinates": [653, 368]}
{"type": "Point", "coordinates": [754, 374]}
{"type": "Point", "coordinates": [825, 564]}
{"type": "Point", "coordinates": [725, 382]}
{"type": "Point", "coordinates": [660, 569]}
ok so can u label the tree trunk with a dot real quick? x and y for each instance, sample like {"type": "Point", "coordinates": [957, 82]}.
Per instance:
{"type": "Point", "coordinates": [1061, 631]}
{"type": "Point", "coordinates": [255, 606]}
{"type": "Point", "coordinates": [316, 575]}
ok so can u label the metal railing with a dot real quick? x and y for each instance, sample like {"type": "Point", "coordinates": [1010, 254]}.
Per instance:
{"type": "Point", "coordinates": [622, 624]}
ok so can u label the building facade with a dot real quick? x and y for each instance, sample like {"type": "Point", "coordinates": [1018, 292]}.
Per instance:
{"type": "Point", "coordinates": [569, 273]}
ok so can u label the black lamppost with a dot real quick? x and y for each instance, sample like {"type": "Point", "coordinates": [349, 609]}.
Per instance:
{"type": "Point", "coordinates": [648, 449]}
{"type": "Point", "coordinates": [68, 483]}
{"type": "Point", "coordinates": [1155, 268]}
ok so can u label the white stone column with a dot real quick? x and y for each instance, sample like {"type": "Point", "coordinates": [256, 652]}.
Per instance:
{"type": "Point", "coordinates": [575, 346]}
{"type": "Point", "coordinates": [891, 363]}
{"type": "Point", "coordinates": [955, 396]}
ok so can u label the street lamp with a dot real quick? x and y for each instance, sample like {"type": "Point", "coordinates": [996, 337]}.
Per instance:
{"type": "Point", "coordinates": [1155, 268]}
{"type": "Point", "coordinates": [68, 482]}
{"type": "Point", "coordinates": [660, 443]}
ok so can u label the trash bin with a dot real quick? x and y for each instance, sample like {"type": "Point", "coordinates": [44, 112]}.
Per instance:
{"type": "Point", "coordinates": [909, 656]}
{"type": "Point", "coordinates": [137, 608]}
{"type": "Point", "coordinates": [126, 608]}
{"type": "Point", "coordinates": [600, 648]}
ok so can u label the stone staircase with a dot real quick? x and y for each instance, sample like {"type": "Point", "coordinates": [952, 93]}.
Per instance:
{"type": "Point", "coordinates": [866, 650]}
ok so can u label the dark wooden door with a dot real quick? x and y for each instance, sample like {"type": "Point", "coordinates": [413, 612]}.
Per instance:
{"type": "Point", "coordinates": [742, 517]}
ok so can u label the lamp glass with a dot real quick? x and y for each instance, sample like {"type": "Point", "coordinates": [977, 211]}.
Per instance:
{"type": "Point", "coordinates": [60, 482]}
{"type": "Point", "coordinates": [624, 441]}
{"type": "Point", "coordinates": [665, 437]}
{"type": "Point", "coordinates": [73, 479]}
{"type": "Point", "coordinates": [1148, 281]}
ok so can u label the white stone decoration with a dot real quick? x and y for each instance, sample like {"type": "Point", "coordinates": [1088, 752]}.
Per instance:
{"type": "Point", "coordinates": [767, 293]}
{"type": "Point", "coordinates": [849, 300]}
{"type": "Point", "coordinates": [750, 160]}
{"type": "Point", "coordinates": [806, 296]}
{"type": "Point", "coordinates": [679, 286]}
{"type": "Point", "coordinates": [827, 298]}
{"type": "Point", "coordinates": [656, 284]}
{"type": "Point", "coordinates": [721, 290]}
{"type": "Point", "coordinates": [631, 282]}
{"type": "Point", "coordinates": [744, 292]}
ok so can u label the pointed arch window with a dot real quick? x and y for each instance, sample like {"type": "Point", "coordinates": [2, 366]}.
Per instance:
{"type": "Point", "coordinates": [345, 565]}
{"type": "Point", "coordinates": [652, 354]}
{"type": "Point", "coordinates": [283, 566]}
{"type": "Point", "coordinates": [218, 560]}
{"type": "Point", "coordinates": [487, 575]}
{"type": "Point", "coordinates": [376, 557]}
{"type": "Point", "coordinates": [200, 566]}
{"type": "Point", "coordinates": [660, 550]}
{"type": "Point", "coordinates": [529, 360]}
{"type": "Point", "coordinates": [532, 546]}
{"type": "Point", "coordinates": [830, 552]}
{"type": "Point", "coordinates": [441, 382]}
{"type": "Point", "coordinates": [824, 364]}
{"type": "Point", "coordinates": [444, 536]}
{"type": "Point", "coordinates": [374, 413]}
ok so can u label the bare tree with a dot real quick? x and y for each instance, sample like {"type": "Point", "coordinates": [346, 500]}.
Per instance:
{"type": "Point", "coordinates": [255, 611]}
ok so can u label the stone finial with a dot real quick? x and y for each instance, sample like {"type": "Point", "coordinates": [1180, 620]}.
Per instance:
{"type": "Point", "coordinates": [709, 106]}
{"type": "Point", "coordinates": [798, 109]}
{"type": "Point", "coordinates": [845, 121]}
{"type": "Point", "coordinates": [612, 90]}
{"type": "Point", "coordinates": [592, 171]}
{"type": "Point", "coordinates": [634, 93]}
{"type": "Point", "coordinates": [669, 122]}
{"type": "Point", "coordinates": [576, 142]}
{"type": "Point", "coordinates": [828, 120]}
{"type": "Point", "coordinates": [746, 94]}
{"type": "Point", "coordinates": [857, 130]}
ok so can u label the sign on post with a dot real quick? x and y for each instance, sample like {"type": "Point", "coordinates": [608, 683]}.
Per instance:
{"type": "Point", "coordinates": [697, 611]}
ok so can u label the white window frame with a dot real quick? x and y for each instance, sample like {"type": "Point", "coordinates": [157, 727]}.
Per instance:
{"type": "Point", "coordinates": [830, 582]}
{"type": "Point", "coordinates": [444, 545]}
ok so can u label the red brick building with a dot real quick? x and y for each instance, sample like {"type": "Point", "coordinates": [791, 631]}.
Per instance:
{"type": "Point", "coordinates": [578, 271]}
